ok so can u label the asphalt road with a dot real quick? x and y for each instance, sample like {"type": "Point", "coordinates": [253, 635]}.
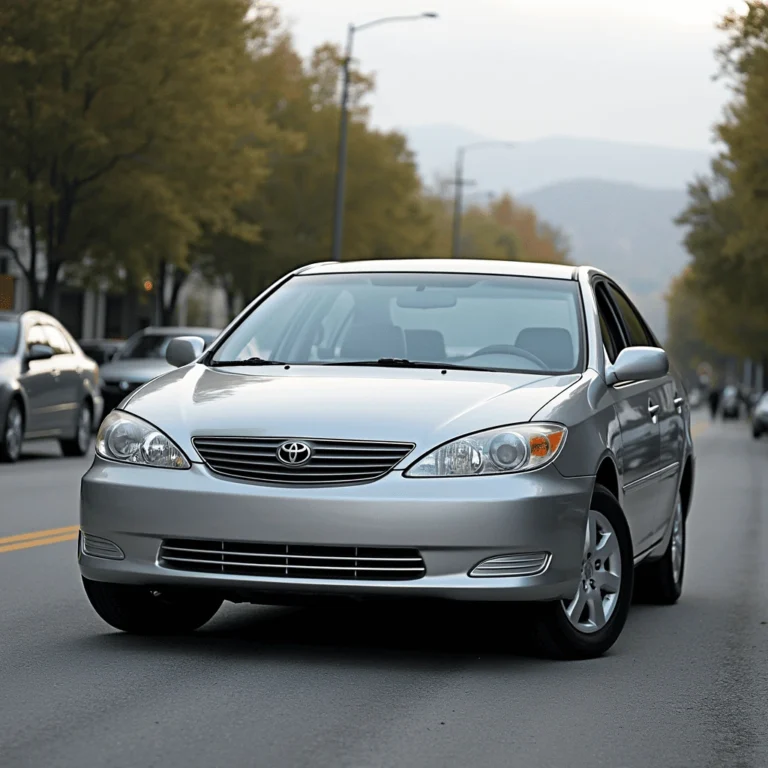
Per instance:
{"type": "Point", "coordinates": [685, 687]}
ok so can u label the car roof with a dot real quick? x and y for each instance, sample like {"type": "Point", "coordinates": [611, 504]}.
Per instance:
{"type": "Point", "coordinates": [455, 266]}
{"type": "Point", "coordinates": [166, 330]}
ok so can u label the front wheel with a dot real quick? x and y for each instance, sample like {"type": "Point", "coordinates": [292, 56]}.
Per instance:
{"type": "Point", "coordinates": [589, 623]}
{"type": "Point", "coordinates": [146, 611]}
{"type": "Point", "coordinates": [757, 433]}
{"type": "Point", "coordinates": [12, 435]}
{"type": "Point", "coordinates": [79, 445]}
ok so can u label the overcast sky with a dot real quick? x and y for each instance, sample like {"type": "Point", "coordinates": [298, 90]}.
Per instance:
{"type": "Point", "coordinates": [627, 70]}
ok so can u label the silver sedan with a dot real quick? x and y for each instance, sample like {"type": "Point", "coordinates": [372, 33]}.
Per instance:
{"type": "Point", "coordinates": [463, 430]}
{"type": "Point", "coordinates": [49, 389]}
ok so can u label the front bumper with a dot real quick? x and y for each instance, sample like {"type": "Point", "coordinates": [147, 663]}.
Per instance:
{"type": "Point", "coordinates": [455, 523]}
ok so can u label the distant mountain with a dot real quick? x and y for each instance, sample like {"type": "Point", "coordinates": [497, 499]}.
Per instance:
{"type": "Point", "coordinates": [530, 165]}
{"type": "Point", "coordinates": [615, 201]}
{"type": "Point", "coordinates": [624, 229]}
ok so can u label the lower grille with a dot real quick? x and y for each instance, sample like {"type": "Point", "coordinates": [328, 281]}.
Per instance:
{"type": "Point", "coordinates": [297, 561]}
{"type": "Point", "coordinates": [523, 564]}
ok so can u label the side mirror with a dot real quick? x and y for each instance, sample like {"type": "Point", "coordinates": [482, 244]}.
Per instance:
{"type": "Point", "coordinates": [40, 352]}
{"type": "Point", "coordinates": [638, 364]}
{"type": "Point", "coordinates": [184, 350]}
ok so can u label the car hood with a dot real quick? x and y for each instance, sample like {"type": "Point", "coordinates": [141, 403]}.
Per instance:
{"type": "Point", "coordinates": [425, 407]}
{"type": "Point", "coordinates": [134, 371]}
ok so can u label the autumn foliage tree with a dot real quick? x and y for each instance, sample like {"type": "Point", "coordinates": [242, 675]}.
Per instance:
{"type": "Point", "coordinates": [726, 219]}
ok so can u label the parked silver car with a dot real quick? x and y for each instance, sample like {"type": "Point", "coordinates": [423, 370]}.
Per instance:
{"type": "Point", "coordinates": [142, 358]}
{"type": "Point", "coordinates": [458, 429]}
{"type": "Point", "coordinates": [48, 387]}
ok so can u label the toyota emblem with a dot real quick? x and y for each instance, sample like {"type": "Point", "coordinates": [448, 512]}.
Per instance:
{"type": "Point", "coordinates": [294, 454]}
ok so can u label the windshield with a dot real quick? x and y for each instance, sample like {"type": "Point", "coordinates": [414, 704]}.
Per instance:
{"type": "Point", "coordinates": [476, 321]}
{"type": "Point", "coordinates": [152, 346]}
{"type": "Point", "coordinates": [9, 336]}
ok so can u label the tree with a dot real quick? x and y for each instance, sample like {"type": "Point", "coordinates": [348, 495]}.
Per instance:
{"type": "Point", "coordinates": [727, 215]}
{"type": "Point", "coordinates": [385, 216]}
{"type": "Point", "coordinates": [502, 230]}
{"type": "Point", "coordinates": [127, 129]}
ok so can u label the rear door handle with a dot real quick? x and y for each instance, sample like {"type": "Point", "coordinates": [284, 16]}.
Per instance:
{"type": "Point", "coordinates": [678, 401]}
{"type": "Point", "coordinates": [653, 409]}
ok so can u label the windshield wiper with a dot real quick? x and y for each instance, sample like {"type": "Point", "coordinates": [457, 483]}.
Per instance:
{"type": "Point", "coordinates": [400, 362]}
{"type": "Point", "coordinates": [247, 361]}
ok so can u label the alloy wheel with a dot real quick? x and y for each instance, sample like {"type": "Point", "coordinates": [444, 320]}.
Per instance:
{"type": "Point", "coordinates": [597, 595]}
{"type": "Point", "coordinates": [14, 432]}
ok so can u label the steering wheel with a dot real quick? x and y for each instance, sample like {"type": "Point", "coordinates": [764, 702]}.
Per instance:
{"type": "Point", "coordinates": [509, 349]}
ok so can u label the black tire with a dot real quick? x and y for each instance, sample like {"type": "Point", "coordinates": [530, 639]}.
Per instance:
{"type": "Point", "coordinates": [81, 442]}
{"type": "Point", "coordinates": [554, 634]}
{"type": "Point", "coordinates": [144, 611]}
{"type": "Point", "coordinates": [757, 433]}
{"type": "Point", "coordinates": [12, 433]}
{"type": "Point", "coordinates": [657, 583]}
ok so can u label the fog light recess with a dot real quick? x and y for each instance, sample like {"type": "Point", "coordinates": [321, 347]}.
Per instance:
{"type": "Point", "coordinates": [521, 564]}
{"type": "Point", "coordinates": [95, 546]}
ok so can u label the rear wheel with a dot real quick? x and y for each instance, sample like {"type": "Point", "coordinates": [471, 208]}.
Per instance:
{"type": "Point", "coordinates": [589, 623]}
{"type": "Point", "coordinates": [661, 582]}
{"type": "Point", "coordinates": [757, 433]}
{"type": "Point", "coordinates": [81, 442]}
{"type": "Point", "coordinates": [12, 435]}
{"type": "Point", "coordinates": [146, 611]}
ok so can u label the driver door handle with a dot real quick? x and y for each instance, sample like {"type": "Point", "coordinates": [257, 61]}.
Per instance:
{"type": "Point", "coordinates": [653, 409]}
{"type": "Point", "coordinates": [679, 402]}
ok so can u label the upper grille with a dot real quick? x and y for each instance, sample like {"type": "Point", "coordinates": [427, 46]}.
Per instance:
{"type": "Point", "coordinates": [332, 461]}
{"type": "Point", "coordinates": [298, 561]}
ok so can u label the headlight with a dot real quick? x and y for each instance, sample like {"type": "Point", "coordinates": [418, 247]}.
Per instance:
{"type": "Point", "coordinates": [497, 451]}
{"type": "Point", "coordinates": [126, 438]}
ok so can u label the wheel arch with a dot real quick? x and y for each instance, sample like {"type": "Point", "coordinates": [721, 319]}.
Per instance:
{"type": "Point", "coordinates": [607, 475]}
{"type": "Point", "coordinates": [686, 485]}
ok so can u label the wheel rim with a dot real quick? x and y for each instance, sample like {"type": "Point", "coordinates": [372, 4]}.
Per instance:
{"type": "Point", "coordinates": [678, 542]}
{"type": "Point", "coordinates": [84, 429]}
{"type": "Point", "coordinates": [14, 432]}
{"type": "Point", "coordinates": [597, 595]}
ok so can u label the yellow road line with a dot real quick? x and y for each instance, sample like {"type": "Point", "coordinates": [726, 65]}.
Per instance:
{"type": "Point", "coordinates": [38, 542]}
{"type": "Point", "coordinates": [39, 534]}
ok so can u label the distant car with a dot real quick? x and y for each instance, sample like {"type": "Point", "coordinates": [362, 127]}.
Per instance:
{"type": "Point", "coordinates": [101, 350]}
{"type": "Point", "coordinates": [444, 429]}
{"type": "Point", "coordinates": [48, 387]}
{"type": "Point", "coordinates": [141, 359]}
{"type": "Point", "coordinates": [760, 417]}
{"type": "Point", "coordinates": [730, 405]}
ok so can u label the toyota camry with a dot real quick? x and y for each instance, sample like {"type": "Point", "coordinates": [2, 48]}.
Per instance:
{"type": "Point", "coordinates": [453, 429]}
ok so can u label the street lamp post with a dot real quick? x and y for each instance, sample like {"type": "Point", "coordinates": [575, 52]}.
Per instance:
{"type": "Point", "coordinates": [341, 162]}
{"type": "Point", "coordinates": [460, 182]}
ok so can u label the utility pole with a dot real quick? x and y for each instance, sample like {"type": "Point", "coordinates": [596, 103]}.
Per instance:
{"type": "Point", "coordinates": [341, 160]}
{"type": "Point", "coordinates": [459, 183]}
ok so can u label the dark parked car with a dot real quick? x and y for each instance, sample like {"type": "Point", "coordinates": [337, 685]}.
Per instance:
{"type": "Point", "coordinates": [48, 387]}
{"type": "Point", "coordinates": [760, 417]}
{"type": "Point", "coordinates": [101, 350]}
{"type": "Point", "coordinates": [141, 359]}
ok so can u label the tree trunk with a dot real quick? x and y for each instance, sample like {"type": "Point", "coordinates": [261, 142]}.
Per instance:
{"type": "Point", "coordinates": [51, 286]}
{"type": "Point", "coordinates": [33, 291]}
{"type": "Point", "coordinates": [179, 278]}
